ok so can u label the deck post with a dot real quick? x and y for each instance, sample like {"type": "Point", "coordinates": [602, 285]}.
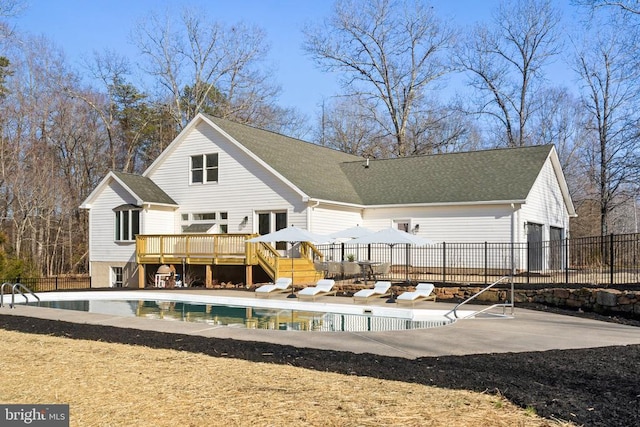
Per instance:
{"type": "Point", "coordinates": [141, 276]}
{"type": "Point", "coordinates": [208, 274]}
{"type": "Point", "coordinates": [249, 275]}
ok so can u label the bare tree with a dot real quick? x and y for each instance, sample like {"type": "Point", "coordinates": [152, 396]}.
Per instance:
{"type": "Point", "coordinates": [127, 116]}
{"type": "Point", "coordinates": [388, 53]}
{"type": "Point", "coordinates": [560, 120]}
{"type": "Point", "coordinates": [346, 124]}
{"type": "Point", "coordinates": [441, 129]}
{"type": "Point", "coordinates": [51, 157]}
{"type": "Point", "coordinates": [505, 63]}
{"type": "Point", "coordinates": [610, 78]}
{"type": "Point", "coordinates": [207, 66]}
{"type": "Point", "coordinates": [628, 6]}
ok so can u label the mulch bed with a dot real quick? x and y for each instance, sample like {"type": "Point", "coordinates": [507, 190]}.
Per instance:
{"type": "Point", "coordinates": [591, 387]}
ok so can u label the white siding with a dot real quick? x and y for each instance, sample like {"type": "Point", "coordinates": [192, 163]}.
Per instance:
{"type": "Point", "coordinates": [159, 220]}
{"type": "Point", "coordinates": [327, 220]}
{"type": "Point", "coordinates": [545, 204]}
{"type": "Point", "coordinates": [244, 186]}
{"type": "Point", "coordinates": [451, 224]}
{"type": "Point", "coordinates": [102, 245]}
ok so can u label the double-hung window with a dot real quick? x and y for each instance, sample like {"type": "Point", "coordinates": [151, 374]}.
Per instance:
{"type": "Point", "coordinates": [116, 277]}
{"type": "Point", "coordinates": [204, 168]}
{"type": "Point", "coordinates": [127, 223]}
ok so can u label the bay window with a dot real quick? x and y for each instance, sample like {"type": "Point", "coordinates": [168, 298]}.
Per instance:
{"type": "Point", "coordinates": [127, 223]}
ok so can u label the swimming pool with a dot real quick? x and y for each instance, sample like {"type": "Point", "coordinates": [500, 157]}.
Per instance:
{"type": "Point", "coordinates": [242, 312]}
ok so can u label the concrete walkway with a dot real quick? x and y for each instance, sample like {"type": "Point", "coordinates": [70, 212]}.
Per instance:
{"type": "Point", "coordinates": [527, 331]}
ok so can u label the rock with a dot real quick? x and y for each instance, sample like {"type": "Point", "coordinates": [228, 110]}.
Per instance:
{"type": "Point", "coordinates": [608, 298]}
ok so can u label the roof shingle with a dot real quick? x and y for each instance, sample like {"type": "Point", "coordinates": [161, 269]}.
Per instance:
{"type": "Point", "coordinates": [490, 175]}
{"type": "Point", "coordinates": [145, 188]}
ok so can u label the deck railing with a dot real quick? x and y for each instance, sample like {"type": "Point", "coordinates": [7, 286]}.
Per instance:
{"type": "Point", "coordinates": [190, 247]}
{"type": "Point", "coordinates": [218, 249]}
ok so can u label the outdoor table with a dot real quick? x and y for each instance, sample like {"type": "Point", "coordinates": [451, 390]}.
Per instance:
{"type": "Point", "coordinates": [364, 265]}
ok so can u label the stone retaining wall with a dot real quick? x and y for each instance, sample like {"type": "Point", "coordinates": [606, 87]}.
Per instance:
{"type": "Point", "coordinates": [600, 300]}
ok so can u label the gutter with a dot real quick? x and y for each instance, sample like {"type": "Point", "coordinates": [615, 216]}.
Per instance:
{"type": "Point", "coordinates": [437, 204]}
{"type": "Point", "coordinates": [309, 216]}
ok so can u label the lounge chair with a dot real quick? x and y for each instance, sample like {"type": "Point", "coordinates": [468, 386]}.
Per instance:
{"type": "Point", "coordinates": [423, 292]}
{"type": "Point", "coordinates": [281, 285]}
{"type": "Point", "coordinates": [380, 289]}
{"type": "Point", "coordinates": [322, 287]}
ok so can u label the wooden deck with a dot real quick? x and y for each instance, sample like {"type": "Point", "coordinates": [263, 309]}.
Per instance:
{"type": "Point", "coordinates": [226, 249]}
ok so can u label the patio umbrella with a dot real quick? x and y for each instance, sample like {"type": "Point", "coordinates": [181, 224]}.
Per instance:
{"type": "Point", "coordinates": [351, 233]}
{"type": "Point", "coordinates": [292, 235]}
{"type": "Point", "coordinates": [392, 236]}
{"type": "Point", "coordinates": [343, 236]}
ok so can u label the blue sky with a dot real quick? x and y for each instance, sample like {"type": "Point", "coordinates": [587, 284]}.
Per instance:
{"type": "Point", "coordinates": [81, 26]}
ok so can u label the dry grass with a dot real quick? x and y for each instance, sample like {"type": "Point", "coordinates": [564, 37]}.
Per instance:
{"type": "Point", "coordinates": [123, 385]}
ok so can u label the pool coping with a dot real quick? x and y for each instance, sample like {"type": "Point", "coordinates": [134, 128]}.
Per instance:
{"type": "Point", "coordinates": [528, 330]}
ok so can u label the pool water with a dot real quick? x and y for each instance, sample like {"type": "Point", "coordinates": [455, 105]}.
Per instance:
{"type": "Point", "coordinates": [218, 310]}
{"type": "Point", "coordinates": [242, 317]}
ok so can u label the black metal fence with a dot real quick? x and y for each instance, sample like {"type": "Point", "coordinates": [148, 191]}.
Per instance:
{"type": "Point", "coordinates": [582, 262]}
{"type": "Point", "coordinates": [57, 283]}
{"type": "Point", "coordinates": [612, 260]}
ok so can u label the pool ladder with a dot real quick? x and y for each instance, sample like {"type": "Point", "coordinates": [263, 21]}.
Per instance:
{"type": "Point", "coordinates": [505, 305]}
{"type": "Point", "coordinates": [16, 288]}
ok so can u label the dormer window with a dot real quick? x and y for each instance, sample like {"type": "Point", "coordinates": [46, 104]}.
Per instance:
{"type": "Point", "coordinates": [204, 168]}
{"type": "Point", "coordinates": [127, 223]}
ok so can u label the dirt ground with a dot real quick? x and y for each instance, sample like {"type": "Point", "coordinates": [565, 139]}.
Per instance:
{"type": "Point", "coordinates": [590, 387]}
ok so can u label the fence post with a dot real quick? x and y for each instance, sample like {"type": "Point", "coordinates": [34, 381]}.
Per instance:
{"type": "Point", "coordinates": [485, 263]}
{"type": "Point", "coordinates": [566, 260]}
{"type": "Point", "coordinates": [611, 259]}
{"type": "Point", "coordinates": [444, 262]}
{"type": "Point", "coordinates": [528, 261]}
{"type": "Point", "coordinates": [56, 283]}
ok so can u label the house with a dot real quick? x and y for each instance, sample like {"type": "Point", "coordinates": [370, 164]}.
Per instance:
{"type": "Point", "coordinates": [220, 182]}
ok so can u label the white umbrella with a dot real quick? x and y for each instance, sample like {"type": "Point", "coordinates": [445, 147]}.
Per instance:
{"type": "Point", "coordinates": [351, 233]}
{"type": "Point", "coordinates": [292, 235]}
{"type": "Point", "coordinates": [392, 236]}
{"type": "Point", "coordinates": [343, 236]}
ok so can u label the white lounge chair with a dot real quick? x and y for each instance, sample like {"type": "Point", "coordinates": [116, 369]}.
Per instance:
{"type": "Point", "coordinates": [322, 287]}
{"type": "Point", "coordinates": [380, 289]}
{"type": "Point", "coordinates": [423, 292]}
{"type": "Point", "coordinates": [281, 285]}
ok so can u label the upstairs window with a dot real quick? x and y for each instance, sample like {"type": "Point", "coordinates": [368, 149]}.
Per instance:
{"type": "Point", "coordinates": [204, 168]}
{"type": "Point", "coordinates": [127, 223]}
{"type": "Point", "coordinates": [205, 216]}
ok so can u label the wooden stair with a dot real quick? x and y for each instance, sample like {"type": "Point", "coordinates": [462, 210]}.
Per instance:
{"type": "Point", "coordinates": [304, 273]}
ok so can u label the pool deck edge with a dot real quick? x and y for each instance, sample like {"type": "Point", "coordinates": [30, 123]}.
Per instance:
{"type": "Point", "coordinates": [528, 330]}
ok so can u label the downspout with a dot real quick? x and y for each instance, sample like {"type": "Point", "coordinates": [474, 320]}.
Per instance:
{"type": "Point", "coordinates": [309, 216]}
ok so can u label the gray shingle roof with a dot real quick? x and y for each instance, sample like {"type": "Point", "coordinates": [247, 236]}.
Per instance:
{"type": "Point", "coordinates": [322, 173]}
{"type": "Point", "coordinates": [490, 175]}
{"type": "Point", "coordinates": [314, 169]}
{"type": "Point", "coordinates": [198, 228]}
{"type": "Point", "coordinates": [145, 189]}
